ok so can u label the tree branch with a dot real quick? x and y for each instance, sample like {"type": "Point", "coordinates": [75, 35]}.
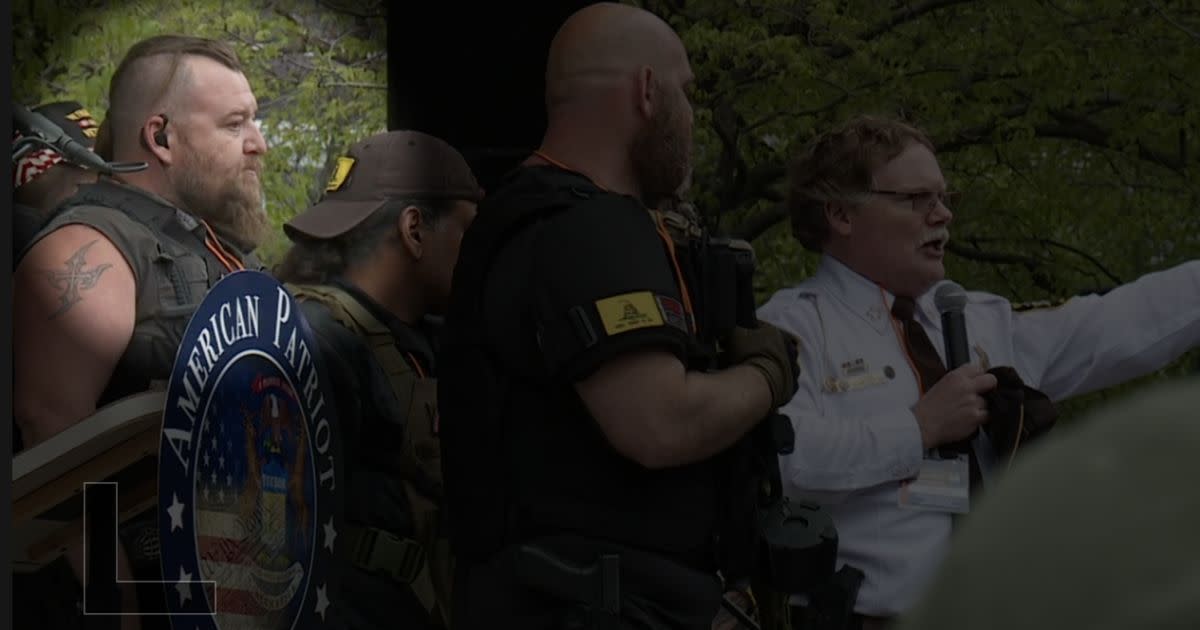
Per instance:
{"type": "Point", "coordinates": [370, 58]}
{"type": "Point", "coordinates": [909, 14]}
{"type": "Point", "coordinates": [898, 18]}
{"type": "Point", "coordinates": [765, 120]}
{"type": "Point", "coordinates": [1059, 10]}
{"type": "Point", "coordinates": [975, 135]}
{"type": "Point", "coordinates": [1046, 242]}
{"type": "Point", "coordinates": [353, 84]}
{"type": "Point", "coordinates": [974, 252]}
{"type": "Point", "coordinates": [1082, 254]}
{"type": "Point", "coordinates": [1068, 126]}
{"type": "Point", "coordinates": [1072, 127]}
{"type": "Point", "coordinates": [1193, 34]}
{"type": "Point", "coordinates": [299, 62]}
{"type": "Point", "coordinates": [731, 166]}
{"type": "Point", "coordinates": [338, 8]}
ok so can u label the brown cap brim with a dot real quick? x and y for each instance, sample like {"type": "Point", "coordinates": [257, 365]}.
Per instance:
{"type": "Point", "coordinates": [331, 218]}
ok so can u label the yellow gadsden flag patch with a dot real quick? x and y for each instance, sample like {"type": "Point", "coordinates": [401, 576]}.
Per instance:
{"type": "Point", "coordinates": [340, 172]}
{"type": "Point", "coordinates": [629, 311]}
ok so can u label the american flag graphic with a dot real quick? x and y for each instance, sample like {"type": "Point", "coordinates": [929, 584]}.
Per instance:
{"type": "Point", "coordinates": [253, 532]}
{"type": "Point", "coordinates": [33, 164]}
{"type": "Point", "coordinates": [39, 161]}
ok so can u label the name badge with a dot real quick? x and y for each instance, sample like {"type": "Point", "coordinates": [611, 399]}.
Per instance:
{"type": "Point", "coordinates": [857, 375]}
{"type": "Point", "coordinates": [860, 382]}
{"type": "Point", "coordinates": [943, 485]}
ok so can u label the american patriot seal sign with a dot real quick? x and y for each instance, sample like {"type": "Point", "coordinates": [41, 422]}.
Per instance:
{"type": "Point", "coordinates": [248, 517]}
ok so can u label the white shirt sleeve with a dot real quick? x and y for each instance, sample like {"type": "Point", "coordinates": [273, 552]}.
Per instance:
{"type": "Point", "coordinates": [1094, 342]}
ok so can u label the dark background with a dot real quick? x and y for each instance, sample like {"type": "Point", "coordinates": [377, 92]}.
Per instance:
{"type": "Point", "coordinates": [473, 77]}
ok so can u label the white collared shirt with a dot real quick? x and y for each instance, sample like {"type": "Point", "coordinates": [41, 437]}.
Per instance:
{"type": "Point", "coordinates": [857, 437]}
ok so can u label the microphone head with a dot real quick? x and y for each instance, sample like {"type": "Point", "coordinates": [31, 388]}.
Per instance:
{"type": "Point", "coordinates": [949, 298]}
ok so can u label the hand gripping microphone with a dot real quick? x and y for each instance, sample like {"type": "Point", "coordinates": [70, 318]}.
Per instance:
{"type": "Point", "coordinates": [35, 127]}
{"type": "Point", "coordinates": [950, 300]}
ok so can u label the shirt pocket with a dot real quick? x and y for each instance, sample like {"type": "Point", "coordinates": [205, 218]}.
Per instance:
{"type": "Point", "coordinates": [180, 277]}
{"type": "Point", "coordinates": [862, 385]}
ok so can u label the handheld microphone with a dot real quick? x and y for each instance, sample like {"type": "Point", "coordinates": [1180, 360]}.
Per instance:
{"type": "Point", "coordinates": [35, 125]}
{"type": "Point", "coordinates": [950, 300]}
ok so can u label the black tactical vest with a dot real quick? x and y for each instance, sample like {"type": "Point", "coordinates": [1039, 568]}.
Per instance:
{"type": "Point", "coordinates": [172, 269]}
{"type": "Point", "coordinates": [490, 423]}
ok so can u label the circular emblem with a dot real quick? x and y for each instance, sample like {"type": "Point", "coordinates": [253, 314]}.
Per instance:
{"type": "Point", "coordinates": [247, 483]}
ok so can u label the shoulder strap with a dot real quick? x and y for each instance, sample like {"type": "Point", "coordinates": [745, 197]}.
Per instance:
{"type": "Point", "coordinates": [169, 225]}
{"type": "Point", "coordinates": [520, 208]}
{"type": "Point", "coordinates": [351, 314]}
{"type": "Point", "coordinates": [160, 219]}
{"type": "Point", "coordinates": [164, 220]}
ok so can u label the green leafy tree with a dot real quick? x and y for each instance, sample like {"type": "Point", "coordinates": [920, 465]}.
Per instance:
{"type": "Point", "coordinates": [318, 70]}
{"type": "Point", "coordinates": [1069, 126]}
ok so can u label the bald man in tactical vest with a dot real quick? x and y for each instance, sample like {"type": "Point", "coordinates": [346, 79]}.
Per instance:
{"type": "Point", "coordinates": [583, 446]}
{"type": "Point", "coordinates": [105, 291]}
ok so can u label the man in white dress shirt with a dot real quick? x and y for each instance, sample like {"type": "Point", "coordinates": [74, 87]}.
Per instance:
{"type": "Point", "coordinates": [873, 412]}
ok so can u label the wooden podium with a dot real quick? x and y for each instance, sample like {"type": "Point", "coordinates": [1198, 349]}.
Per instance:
{"type": "Point", "coordinates": [118, 443]}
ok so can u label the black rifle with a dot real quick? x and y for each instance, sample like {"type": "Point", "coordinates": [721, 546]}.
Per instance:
{"type": "Point", "coordinates": [789, 548]}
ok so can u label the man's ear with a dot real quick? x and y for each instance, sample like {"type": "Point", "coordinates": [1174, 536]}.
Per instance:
{"type": "Point", "coordinates": [837, 215]}
{"type": "Point", "coordinates": [410, 225]}
{"type": "Point", "coordinates": [156, 139]}
{"type": "Point", "coordinates": [647, 86]}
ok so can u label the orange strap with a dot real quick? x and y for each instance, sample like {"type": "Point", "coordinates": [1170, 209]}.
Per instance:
{"type": "Point", "coordinates": [662, 232]}
{"type": "Point", "coordinates": [230, 261]}
{"type": "Point", "coordinates": [683, 288]}
{"type": "Point", "coordinates": [416, 365]}
{"type": "Point", "coordinates": [541, 154]}
{"type": "Point", "coordinates": [1017, 442]}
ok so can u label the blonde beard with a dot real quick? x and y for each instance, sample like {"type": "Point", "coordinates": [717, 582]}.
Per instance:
{"type": "Point", "coordinates": [232, 211]}
{"type": "Point", "coordinates": [247, 228]}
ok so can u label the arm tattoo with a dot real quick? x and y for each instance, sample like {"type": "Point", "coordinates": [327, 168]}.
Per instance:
{"type": "Point", "coordinates": [74, 278]}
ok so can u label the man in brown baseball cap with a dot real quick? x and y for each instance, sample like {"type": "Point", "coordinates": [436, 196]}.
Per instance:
{"type": "Point", "coordinates": [407, 165]}
{"type": "Point", "coordinates": [369, 262]}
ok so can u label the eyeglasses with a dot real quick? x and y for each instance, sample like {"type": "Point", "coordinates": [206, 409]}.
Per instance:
{"type": "Point", "coordinates": [924, 201]}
